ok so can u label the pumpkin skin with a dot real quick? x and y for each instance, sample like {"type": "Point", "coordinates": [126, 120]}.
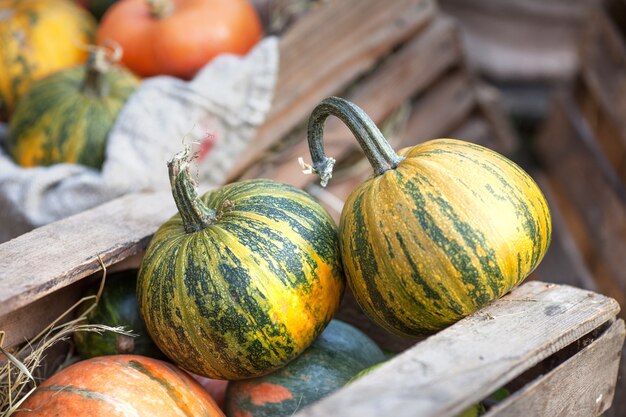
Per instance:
{"type": "Point", "coordinates": [182, 40]}
{"type": "Point", "coordinates": [339, 353]}
{"type": "Point", "coordinates": [439, 231]}
{"type": "Point", "coordinates": [117, 307]}
{"type": "Point", "coordinates": [60, 121]}
{"type": "Point", "coordinates": [39, 37]}
{"type": "Point", "coordinates": [249, 290]}
{"type": "Point", "coordinates": [120, 386]}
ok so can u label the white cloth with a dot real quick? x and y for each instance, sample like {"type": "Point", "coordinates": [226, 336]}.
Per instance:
{"type": "Point", "coordinates": [220, 108]}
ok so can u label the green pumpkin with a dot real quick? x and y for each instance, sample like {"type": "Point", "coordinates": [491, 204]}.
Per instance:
{"type": "Point", "coordinates": [66, 117]}
{"type": "Point", "coordinates": [242, 280]}
{"type": "Point", "coordinates": [440, 230]}
{"type": "Point", "coordinates": [339, 353]}
{"type": "Point", "coordinates": [117, 307]}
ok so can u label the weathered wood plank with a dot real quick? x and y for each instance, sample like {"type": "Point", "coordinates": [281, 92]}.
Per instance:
{"type": "Point", "coordinates": [56, 255]}
{"type": "Point", "coordinates": [582, 386]}
{"type": "Point", "coordinates": [456, 367]}
{"type": "Point", "coordinates": [410, 70]}
{"type": "Point", "coordinates": [446, 104]}
{"type": "Point", "coordinates": [318, 59]}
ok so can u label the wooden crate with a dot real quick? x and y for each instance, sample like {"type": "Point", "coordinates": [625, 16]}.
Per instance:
{"type": "Point", "coordinates": [556, 348]}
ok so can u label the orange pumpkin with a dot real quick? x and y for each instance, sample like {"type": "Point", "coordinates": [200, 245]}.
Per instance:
{"type": "Point", "coordinates": [120, 386]}
{"type": "Point", "coordinates": [178, 37]}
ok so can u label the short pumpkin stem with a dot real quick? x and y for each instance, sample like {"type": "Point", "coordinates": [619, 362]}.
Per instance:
{"type": "Point", "coordinates": [99, 62]}
{"type": "Point", "coordinates": [376, 148]}
{"type": "Point", "coordinates": [195, 214]}
{"type": "Point", "coordinates": [160, 9]}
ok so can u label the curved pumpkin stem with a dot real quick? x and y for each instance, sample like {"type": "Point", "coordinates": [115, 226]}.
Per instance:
{"type": "Point", "coordinates": [376, 148]}
{"type": "Point", "coordinates": [195, 214]}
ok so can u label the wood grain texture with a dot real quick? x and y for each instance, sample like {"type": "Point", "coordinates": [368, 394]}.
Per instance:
{"type": "Point", "coordinates": [456, 367]}
{"type": "Point", "coordinates": [56, 255]}
{"type": "Point", "coordinates": [319, 59]}
{"type": "Point", "coordinates": [436, 112]}
{"type": "Point", "coordinates": [582, 386]}
{"type": "Point", "coordinates": [409, 71]}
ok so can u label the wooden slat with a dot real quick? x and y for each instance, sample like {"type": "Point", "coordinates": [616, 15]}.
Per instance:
{"type": "Point", "coordinates": [411, 69]}
{"type": "Point", "coordinates": [56, 255]}
{"type": "Point", "coordinates": [455, 368]}
{"type": "Point", "coordinates": [582, 386]}
{"type": "Point", "coordinates": [323, 52]}
{"type": "Point", "coordinates": [439, 109]}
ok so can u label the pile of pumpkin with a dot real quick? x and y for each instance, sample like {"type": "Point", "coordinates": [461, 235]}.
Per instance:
{"type": "Point", "coordinates": [243, 283]}
{"type": "Point", "coordinates": [64, 77]}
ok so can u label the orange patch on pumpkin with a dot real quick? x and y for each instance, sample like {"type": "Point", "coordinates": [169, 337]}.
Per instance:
{"type": "Point", "coordinates": [269, 393]}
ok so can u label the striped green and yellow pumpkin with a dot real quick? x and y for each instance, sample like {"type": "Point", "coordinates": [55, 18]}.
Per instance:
{"type": "Point", "coordinates": [242, 280]}
{"type": "Point", "coordinates": [340, 352]}
{"type": "Point", "coordinates": [39, 37]}
{"type": "Point", "coordinates": [120, 386]}
{"type": "Point", "coordinates": [66, 117]}
{"type": "Point", "coordinates": [440, 229]}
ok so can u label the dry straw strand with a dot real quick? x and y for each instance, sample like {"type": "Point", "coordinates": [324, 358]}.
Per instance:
{"type": "Point", "coordinates": [19, 369]}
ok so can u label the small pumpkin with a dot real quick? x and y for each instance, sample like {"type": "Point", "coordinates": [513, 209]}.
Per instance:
{"type": "Point", "coordinates": [339, 353]}
{"type": "Point", "coordinates": [178, 37]}
{"type": "Point", "coordinates": [120, 386]}
{"type": "Point", "coordinates": [66, 116]}
{"type": "Point", "coordinates": [39, 37]}
{"type": "Point", "coordinates": [440, 229]}
{"type": "Point", "coordinates": [117, 307]}
{"type": "Point", "coordinates": [242, 280]}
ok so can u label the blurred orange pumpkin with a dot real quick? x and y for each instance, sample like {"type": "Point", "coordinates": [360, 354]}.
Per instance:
{"type": "Point", "coordinates": [178, 37]}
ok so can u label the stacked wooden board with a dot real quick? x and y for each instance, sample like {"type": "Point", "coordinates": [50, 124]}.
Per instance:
{"type": "Point", "coordinates": [403, 64]}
